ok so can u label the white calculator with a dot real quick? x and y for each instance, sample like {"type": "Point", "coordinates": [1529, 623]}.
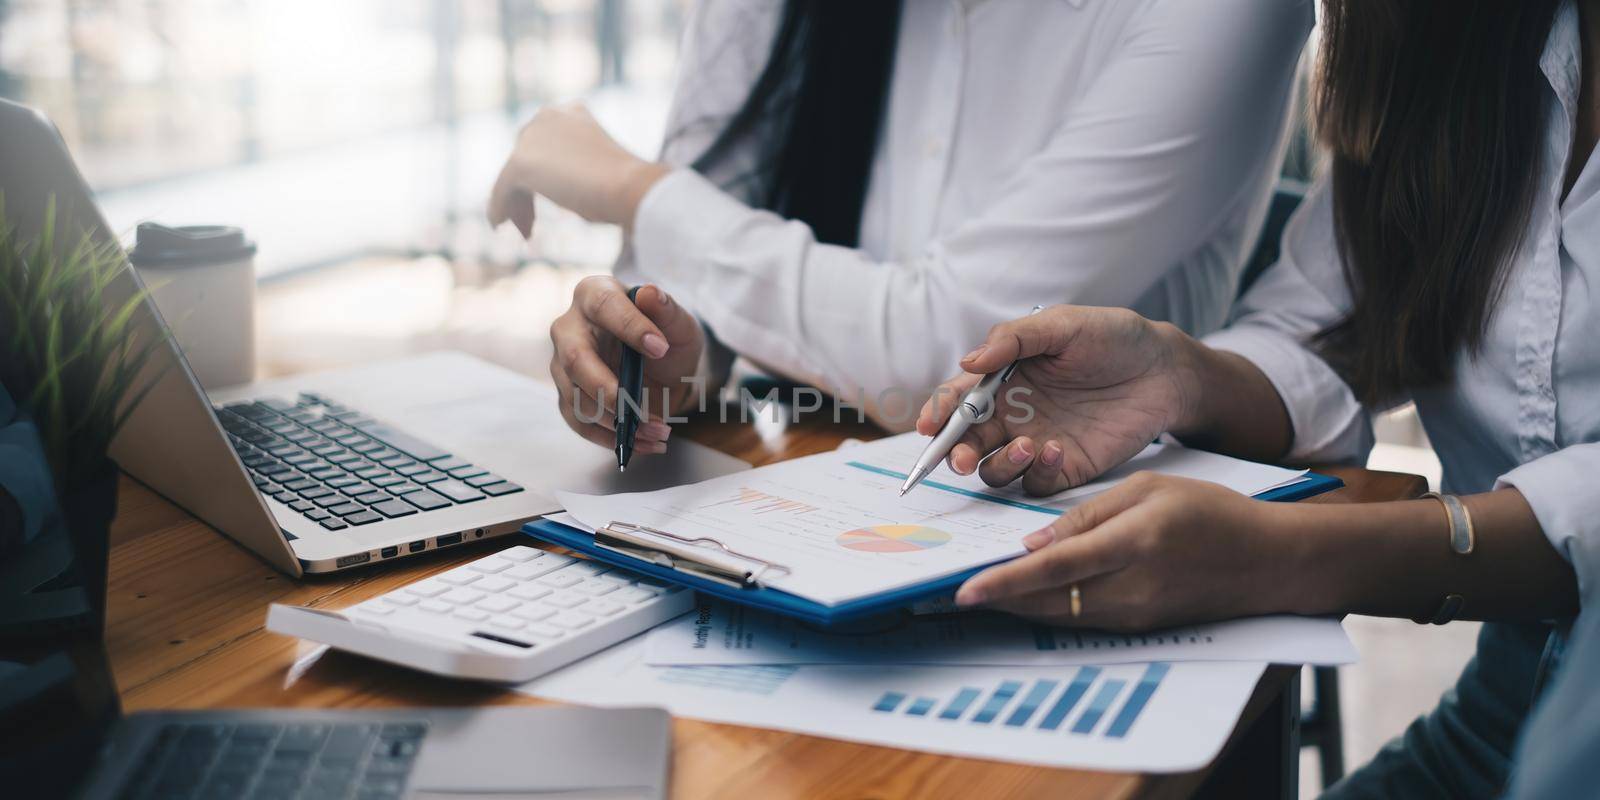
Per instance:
{"type": "Point", "coordinates": [511, 616]}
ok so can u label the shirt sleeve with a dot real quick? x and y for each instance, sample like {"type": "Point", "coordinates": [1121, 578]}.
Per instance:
{"type": "Point", "coordinates": [1301, 294]}
{"type": "Point", "coordinates": [724, 49]}
{"type": "Point", "coordinates": [1141, 170]}
{"type": "Point", "coordinates": [1559, 487]}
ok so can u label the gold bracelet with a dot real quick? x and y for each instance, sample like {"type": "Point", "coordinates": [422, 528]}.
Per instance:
{"type": "Point", "coordinates": [1463, 539]}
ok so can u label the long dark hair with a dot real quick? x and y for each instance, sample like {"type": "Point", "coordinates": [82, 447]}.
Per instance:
{"type": "Point", "coordinates": [1434, 113]}
{"type": "Point", "coordinates": [822, 95]}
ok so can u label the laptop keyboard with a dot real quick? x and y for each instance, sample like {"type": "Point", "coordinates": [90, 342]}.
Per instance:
{"type": "Point", "coordinates": [359, 761]}
{"type": "Point", "coordinates": [339, 467]}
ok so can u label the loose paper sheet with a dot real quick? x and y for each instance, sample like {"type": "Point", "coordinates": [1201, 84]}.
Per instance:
{"type": "Point", "coordinates": [1160, 717]}
{"type": "Point", "coordinates": [723, 633]}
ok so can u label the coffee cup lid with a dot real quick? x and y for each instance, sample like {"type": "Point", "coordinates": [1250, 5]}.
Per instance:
{"type": "Point", "coordinates": [157, 245]}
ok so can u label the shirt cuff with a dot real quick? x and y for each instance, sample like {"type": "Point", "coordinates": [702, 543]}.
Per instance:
{"type": "Point", "coordinates": [1557, 488]}
{"type": "Point", "coordinates": [1329, 423]}
{"type": "Point", "coordinates": [678, 221]}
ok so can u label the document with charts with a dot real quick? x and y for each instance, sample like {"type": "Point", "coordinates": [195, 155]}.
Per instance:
{"type": "Point", "coordinates": [837, 526]}
{"type": "Point", "coordinates": [723, 633]}
{"type": "Point", "coordinates": [1155, 717]}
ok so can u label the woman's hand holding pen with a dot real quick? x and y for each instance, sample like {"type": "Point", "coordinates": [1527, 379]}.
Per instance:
{"type": "Point", "coordinates": [1094, 386]}
{"type": "Point", "coordinates": [1155, 550]}
{"type": "Point", "coordinates": [564, 154]}
{"type": "Point", "coordinates": [588, 340]}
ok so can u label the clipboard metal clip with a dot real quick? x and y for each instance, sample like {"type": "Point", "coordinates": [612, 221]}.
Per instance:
{"type": "Point", "coordinates": [702, 556]}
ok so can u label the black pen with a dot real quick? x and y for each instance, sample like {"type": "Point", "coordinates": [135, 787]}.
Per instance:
{"type": "Point", "coordinates": [630, 385]}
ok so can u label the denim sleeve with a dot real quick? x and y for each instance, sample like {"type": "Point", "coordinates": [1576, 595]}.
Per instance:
{"type": "Point", "coordinates": [1556, 757]}
{"type": "Point", "coordinates": [24, 473]}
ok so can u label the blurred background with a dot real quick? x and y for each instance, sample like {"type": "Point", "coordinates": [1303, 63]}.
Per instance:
{"type": "Point", "coordinates": [333, 129]}
{"type": "Point", "coordinates": [355, 141]}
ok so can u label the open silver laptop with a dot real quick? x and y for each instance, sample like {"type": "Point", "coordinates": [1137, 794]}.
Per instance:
{"type": "Point", "coordinates": [327, 471]}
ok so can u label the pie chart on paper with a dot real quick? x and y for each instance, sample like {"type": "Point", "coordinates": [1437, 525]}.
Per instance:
{"type": "Point", "coordinates": [893, 538]}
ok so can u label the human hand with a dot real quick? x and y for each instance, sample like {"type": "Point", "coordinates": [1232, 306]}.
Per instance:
{"type": "Point", "coordinates": [588, 339]}
{"type": "Point", "coordinates": [1152, 552]}
{"type": "Point", "coordinates": [1094, 387]}
{"type": "Point", "coordinates": [564, 154]}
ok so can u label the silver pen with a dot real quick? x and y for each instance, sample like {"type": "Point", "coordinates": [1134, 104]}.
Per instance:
{"type": "Point", "coordinates": [976, 405]}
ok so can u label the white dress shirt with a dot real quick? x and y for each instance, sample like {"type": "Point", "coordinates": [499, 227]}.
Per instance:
{"type": "Point", "coordinates": [1524, 412]}
{"type": "Point", "coordinates": [1077, 151]}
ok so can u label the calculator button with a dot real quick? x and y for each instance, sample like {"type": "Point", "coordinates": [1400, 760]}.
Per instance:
{"type": "Point", "coordinates": [498, 605]}
{"type": "Point", "coordinates": [400, 599]}
{"type": "Point", "coordinates": [534, 613]}
{"type": "Point", "coordinates": [458, 577]}
{"type": "Point", "coordinates": [541, 565]}
{"type": "Point", "coordinates": [529, 592]}
{"type": "Point", "coordinates": [633, 595]}
{"type": "Point", "coordinates": [435, 606]}
{"type": "Point", "coordinates": [604, 608]}
{"type": "Point", "coordinates": [520, 554]}
{"type": "Point", "coordinates": [470, 614]}
{"type": "Point", "coordinates": [461, 597]}
{"type": "Point", "coordinates": [493, 583]}
{"type": "Point", "coordinates": [572, 619]}
{"type": "Point", "coordinates": [595, 588]}
{"type": "Point", "coordinates": [561, 580]}
{"type": "Point", "coordinates": [565, 601]}
{"type": "Point", "coordinates": [545, 631]}
{"type": "Point", "coordinates": [489, 566]}
{"type": "Point", "coordinates": [503, 621]}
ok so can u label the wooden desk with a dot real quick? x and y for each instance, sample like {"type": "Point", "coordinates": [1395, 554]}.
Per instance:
{"type": "Point", "coordinates": [186, 610]}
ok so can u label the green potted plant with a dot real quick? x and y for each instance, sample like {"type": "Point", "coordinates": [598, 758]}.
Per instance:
{"type": "Point", "coordinates": [71, 362]}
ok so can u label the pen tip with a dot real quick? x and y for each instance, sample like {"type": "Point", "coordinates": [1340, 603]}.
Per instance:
{"type": "Point", "coordinates": [903, 490]}
{"type": "Point", "coordinates": [622, 467]}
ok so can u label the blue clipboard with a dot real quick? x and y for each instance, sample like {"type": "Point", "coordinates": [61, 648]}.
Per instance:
{"type": "Point", "coordinates": [886, 604]}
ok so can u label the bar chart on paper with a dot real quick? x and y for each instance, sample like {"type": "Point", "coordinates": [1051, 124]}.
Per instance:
{"type": "Point", "coordinates": [1146, 716]}
{"type": "Point", "coordinates": [1158, 716]}
{"type": "Point", "coordinates": [1045, 705]}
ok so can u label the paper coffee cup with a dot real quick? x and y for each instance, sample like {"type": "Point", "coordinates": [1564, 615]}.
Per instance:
{"type": "Point", "coordinates": [202, 278]}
